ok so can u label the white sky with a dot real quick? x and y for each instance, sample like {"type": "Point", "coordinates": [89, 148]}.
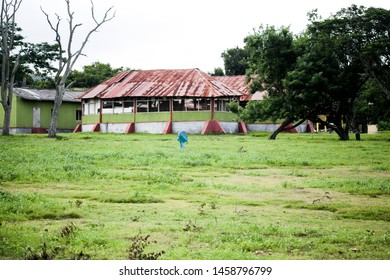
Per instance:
{"type": "Point", "coordinates": [172, 34]}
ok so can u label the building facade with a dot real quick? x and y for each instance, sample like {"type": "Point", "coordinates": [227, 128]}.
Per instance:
{"type": "Point", "coordinates": [32, 108]}
{"type": "Point", "coordinates": [160, 101]}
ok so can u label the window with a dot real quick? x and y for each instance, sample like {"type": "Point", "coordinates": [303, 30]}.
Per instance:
{"type": "Point", "coordinates": [204, 104]}
{"type": "Point", "coordinates": [142, 106]}
{"type": "Point", "coordinates": [153, 105]}
{"type": "Point", "coordinates": [191, 105]}
{"type": "Point", "coordinates": [128, 105]}
{"type": "Point", "coordinates": [221, 104]}
{"type": "Point", "coordinates": [178, 105]}
{"type": "Point", "coordinates": [118, 106]}
{"type": "Point", "coordinates": [107, 104]}
{"type": "Point", "coordinates": [164, 105]}
{"type": "Point", "coordinates": [78, 115]}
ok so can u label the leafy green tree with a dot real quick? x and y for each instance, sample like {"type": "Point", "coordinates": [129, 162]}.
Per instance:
{"type": "Point", "coordinates": [364, 33]}
{"type": "Point", "coordinates": [322, 72]}
{"type": "Point", "coordinates": [36, 60]}
{"type": "Point", "coordinates": [217, 72]}
{"type": "Point", "coordinates": [343, 53]}
{"type": "Point", "coordinates": [272, 53]}
{"type": "Point", "coordinates": [235, 61]}
{"type": "Point", "coordinates": [92, 75]}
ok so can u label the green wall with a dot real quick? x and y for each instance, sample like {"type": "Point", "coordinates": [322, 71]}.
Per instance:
{"type": "Point", "coordinates": [191, 116]}
{"type": "Point", "coordinates": [225, 116]}
{"type": "Point", "coordinates": [22, 114]}
{"type": "Point", "coordinates": [118, 118]}
{"type": "Point", "coordinates": [13, 114]}
{"type": "Point", "coordinates": [153, 117]}
{"type": "Point", "coordinates": [90, 119]}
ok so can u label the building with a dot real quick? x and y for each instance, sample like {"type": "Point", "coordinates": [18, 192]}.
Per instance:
{"type": "Point", "coordinates": [159, 101]}
{"type": "Point", "coordinates": [32, 108]}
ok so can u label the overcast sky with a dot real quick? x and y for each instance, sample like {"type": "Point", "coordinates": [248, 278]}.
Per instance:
{"type": "Point", "coordinates": [172, 34]}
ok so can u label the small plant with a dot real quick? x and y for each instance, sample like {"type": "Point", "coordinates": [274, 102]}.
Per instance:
{"type": "Point", "coordinates": [201, 209]}
{"type": "Point", "coordinates": [68, 231]}
{"type": "Point", "coordinates": [137, 248]}
{"type": "Point", "coordinates": [325, 196]}
{"type": "Point", "coordinates": [45, 254]}
{"type": "Point", "coordinates": [192, 227]}
{"type": "Point", "coordinates": [135, 218]}
{"type": "Point", "coordinates": [79, 202]}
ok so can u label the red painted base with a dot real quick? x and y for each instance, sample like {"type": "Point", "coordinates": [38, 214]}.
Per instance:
{"type": "Point", "coordinates": [77, 128]}
{"type": "Point", "coordinates": [212, 127]}
{"type": "Point", "coordinates": [242, 128]}
{"type": "Point", "coordinates": [168, 128]}
{"type": "Point", "coordinates": [96, 127]}
{"type": "Point", "coordinates": [130, 128]}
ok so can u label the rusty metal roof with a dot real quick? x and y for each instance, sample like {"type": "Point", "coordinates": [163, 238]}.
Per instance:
{"type": "Point", "coordinates": [161, 83]}
{"type": "Point", "coordinates": [239, 83]}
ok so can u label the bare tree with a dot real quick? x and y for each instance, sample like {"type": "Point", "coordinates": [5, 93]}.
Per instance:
{"type": "Point", "coordinates": [8, 71]}
{"type": "Point", "coordinates": [66, 63]}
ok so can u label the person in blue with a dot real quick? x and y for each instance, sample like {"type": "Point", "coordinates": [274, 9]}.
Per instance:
{"type": "Point", "coordinates": [182, 138]}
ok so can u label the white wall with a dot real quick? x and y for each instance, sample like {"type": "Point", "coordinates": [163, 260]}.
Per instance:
{"type": "Point", "coordinates": [189, 127]}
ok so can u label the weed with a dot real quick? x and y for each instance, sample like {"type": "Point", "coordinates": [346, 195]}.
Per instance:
{"type": "Point", "coordinates": [138, 246]}
{"type": "Point", "coordinates": [44, 253]}
{"type": "Point", "coordinates": [61, 249]}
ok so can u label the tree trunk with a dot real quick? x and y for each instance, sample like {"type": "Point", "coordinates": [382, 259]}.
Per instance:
{"type": "Point", "coordinates": [285, 123]}
{"type": "Point", "coordinates": [341, 132]}
{"type": "Point", "coordinates": [7, 120]}
{"type": "Point", "coordinates": [60, 90]}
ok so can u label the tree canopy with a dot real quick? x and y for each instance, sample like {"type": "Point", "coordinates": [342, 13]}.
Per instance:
{"type": "Point", "coordinates": [92, 75]}
{"type": "Point", "coordinates": [322, 72]}
{"type": "Point", "coordinates": [235, 61]}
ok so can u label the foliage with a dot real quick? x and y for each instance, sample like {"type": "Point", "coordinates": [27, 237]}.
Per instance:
{"type": "Point", "coordinates": [272, 54]}
{"type": "Point", "coordinates": [35, 60]}
{"type": "Point", "coordinates": [235, 61]}
{"type": "Point", "coordinates": [138, 246]}
{"type": "Point", "coordinates": [61, 249]}
{"type": "Point", "coordinates": [322, 72]}
{"type": "Point", "coordinates": [217, 72]}
{"type": "Point", "coordinates": [92, 75]}
{"type": "Point", "coordinates": [364, 34]}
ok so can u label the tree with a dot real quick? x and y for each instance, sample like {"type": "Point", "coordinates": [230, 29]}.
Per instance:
{"type": "Point", "coordinates": [92, 75]}
{"type": "Point", "coordinates": [365, 34]}
{"type": "Point", "coordinates": [217, 72]}
{"type": "Point", "coordinates": [67, 57]}
{"type": "Point", "coordinates": [36, 60]}
{"type": "Point", "coordinates": [334, 69]}
{"type": "Point", "coordinates": [235, 61]}
{"type": "Point", "coordinates": [272, 53]}
{"type": "Point", "coordinates": [8, 67]}
{"type": "Point", "coordinates": [322, 72]}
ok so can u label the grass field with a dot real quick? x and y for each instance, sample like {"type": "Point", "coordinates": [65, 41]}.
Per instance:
{"type": "Point", "coordinates": [106, 196]}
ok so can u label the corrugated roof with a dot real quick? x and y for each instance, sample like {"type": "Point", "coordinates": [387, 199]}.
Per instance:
{"type": "Point", "coordinates": [239, 83]}
{"type": "Point", "coordinates": [161, 83]}
{"type": "Point", "coordinates": [45, 94]}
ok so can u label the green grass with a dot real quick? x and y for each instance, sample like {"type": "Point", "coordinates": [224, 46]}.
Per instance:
{"type": "Point", "coordinates": [303, 196]}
